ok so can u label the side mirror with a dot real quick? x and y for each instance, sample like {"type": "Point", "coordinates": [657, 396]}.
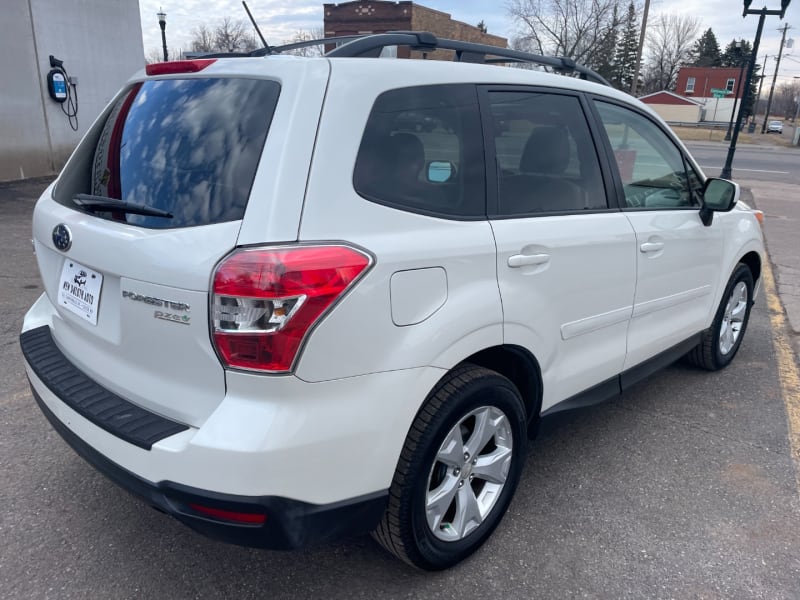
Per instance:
{"type": "Point", "coordinates": [719, 195]}
{"type": "Point", "coordinates": [440, 171]}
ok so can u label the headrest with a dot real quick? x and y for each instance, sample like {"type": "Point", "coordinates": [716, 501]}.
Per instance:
{"type": "Point", "coordinates": [405, 148]}
{"type": "Point", "coordinates": [546, 151]}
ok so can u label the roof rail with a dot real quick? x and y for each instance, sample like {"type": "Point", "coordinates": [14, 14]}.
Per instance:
{"type": "Point", "coordinates": [371, 46]}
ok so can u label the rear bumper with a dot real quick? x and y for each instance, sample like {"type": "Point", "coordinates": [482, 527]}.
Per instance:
{"type": "Point", "coordinates": [276, 523]}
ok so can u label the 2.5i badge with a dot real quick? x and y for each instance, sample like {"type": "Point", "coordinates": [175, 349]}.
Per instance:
{"type": "Point", "coordinates": [79, 290]}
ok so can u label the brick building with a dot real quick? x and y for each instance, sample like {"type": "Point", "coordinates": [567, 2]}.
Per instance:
{"type": "Point", "coordinates": [697, 82]}
{"type": "Point", "coordinates": [376, 16]}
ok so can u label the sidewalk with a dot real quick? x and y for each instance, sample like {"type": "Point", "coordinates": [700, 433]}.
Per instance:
{"type": "Point", "coordinates": [781, 205]}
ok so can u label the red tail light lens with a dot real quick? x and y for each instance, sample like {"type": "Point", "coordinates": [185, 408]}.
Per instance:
{"type": "Point", "coordinates": [178, 66]}
{"type": "Point", "coordinates": [229, 515]}
{"type": "Point", "coordinates": [265, 301]}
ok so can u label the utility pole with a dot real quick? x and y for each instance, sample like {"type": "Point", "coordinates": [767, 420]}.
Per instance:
{"type": "Point", "coordinates": [774, 77]}
{"type": "Point", "coordinates": [760, 85]}
{"type": "Point", "coordinates": [636, 71]}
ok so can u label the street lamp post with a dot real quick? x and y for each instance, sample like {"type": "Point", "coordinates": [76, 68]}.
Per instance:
{"type": "Point", "coordinates": [740, 52]}
{"type": "Point", "coordinates": [162, 21]}
{"type": "Point", "coordinates": [763, 12]}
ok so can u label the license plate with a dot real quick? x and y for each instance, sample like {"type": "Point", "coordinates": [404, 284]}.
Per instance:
{"type": "Point", "coordinates": [79, 290]}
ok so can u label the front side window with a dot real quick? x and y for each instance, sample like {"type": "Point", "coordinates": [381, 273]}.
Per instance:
{"type": "Point", "coordinates": [651, 167]}
{"type": "Point", "coordinates": [422, 151]}
{"type": "Point", "coordinates": [546, 159]}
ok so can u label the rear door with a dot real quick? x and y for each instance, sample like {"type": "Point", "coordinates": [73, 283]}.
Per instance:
{"type": "Point", "coordinates": [131, 288]}
{"type": "Point", "coordinates": [565, 254]}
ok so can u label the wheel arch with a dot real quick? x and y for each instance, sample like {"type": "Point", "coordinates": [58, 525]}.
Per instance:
{"type": "Point", "coordinates": [752, 261]}
{"type": "Point", "coordinates": [519, 366]}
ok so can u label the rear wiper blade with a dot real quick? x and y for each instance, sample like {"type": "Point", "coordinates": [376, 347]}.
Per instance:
{"type": "Point", "coordinates": [91, 202]}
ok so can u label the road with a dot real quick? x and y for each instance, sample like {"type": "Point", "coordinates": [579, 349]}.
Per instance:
{"type": "Point", "coordinates": [682, 488]}
{"type": "Point", "coordinates": [761, 163]}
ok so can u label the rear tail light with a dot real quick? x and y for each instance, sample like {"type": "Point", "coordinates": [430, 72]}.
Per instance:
{"type": "Point", "coordinates": [266, 300]}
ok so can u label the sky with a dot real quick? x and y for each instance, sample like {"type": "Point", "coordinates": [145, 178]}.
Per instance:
{"type": "Point", "coordinates": [280, 19]}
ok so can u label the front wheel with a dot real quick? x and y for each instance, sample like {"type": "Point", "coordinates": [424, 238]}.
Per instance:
{"type": "Point", "coordinates": [721, 341]}
{"type": "Point", "coordinates": [458, 470]}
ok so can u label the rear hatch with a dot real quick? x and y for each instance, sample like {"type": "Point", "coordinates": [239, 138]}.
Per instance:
{"type": "Point", "coordinates": [130, 281]}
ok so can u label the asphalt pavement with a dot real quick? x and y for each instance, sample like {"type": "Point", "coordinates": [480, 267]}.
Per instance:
{"type": "Point", "coordinates": [684, 487]}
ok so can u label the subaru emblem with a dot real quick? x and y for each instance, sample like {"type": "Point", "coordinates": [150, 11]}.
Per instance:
{"type": "Point", "coordinates": [62, 238]}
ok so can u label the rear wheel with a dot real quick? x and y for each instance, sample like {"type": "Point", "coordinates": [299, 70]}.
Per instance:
{"type": "Point", "coordinates": [721, 341]}
{"type": "Point", "coordinates": [458, 470]}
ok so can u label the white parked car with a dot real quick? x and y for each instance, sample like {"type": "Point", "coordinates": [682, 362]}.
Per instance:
{"type": "Point", "coordinates": [279, 312]}
{"type": "Point", "coordinates": [775, 126]}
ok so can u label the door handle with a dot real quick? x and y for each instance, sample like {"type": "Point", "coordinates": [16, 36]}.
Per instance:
{"type": "Point", "coordinates": [524, 260]}
{"type": "Point", "coordinates": [651, 246]}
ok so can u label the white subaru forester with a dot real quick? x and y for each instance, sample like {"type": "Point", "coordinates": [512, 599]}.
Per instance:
{"type": "Point", "coordinates": [294, 299]}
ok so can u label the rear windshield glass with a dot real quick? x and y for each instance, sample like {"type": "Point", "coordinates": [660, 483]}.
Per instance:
{"type": "Point", "coordinates": [189, 147]}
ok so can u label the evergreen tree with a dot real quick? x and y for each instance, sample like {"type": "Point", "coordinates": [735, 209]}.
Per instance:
{"type": "Point", "coordinates": [706, 51]}
{"type": "Point", "coordinates": [735, 57]}
{"type": "Point", "coordinates": [604, 61]}
{"type": "Point", "coordinates": [625, 56]}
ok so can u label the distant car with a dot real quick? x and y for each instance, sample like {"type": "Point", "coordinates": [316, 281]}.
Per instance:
{"type": "Point", "coordinates": [776, 126]}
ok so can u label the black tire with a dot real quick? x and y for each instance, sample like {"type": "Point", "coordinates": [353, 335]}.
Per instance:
{"type": "Point", "coordinates": [710, 354]}
{"type": "Point", "coordinates": [404, 530]}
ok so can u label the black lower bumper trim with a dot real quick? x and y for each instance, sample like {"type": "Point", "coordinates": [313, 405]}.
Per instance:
{"type": "Point", "coordinates": [289, 524]}
{"type": "Point", "coordinates": [88, 398]}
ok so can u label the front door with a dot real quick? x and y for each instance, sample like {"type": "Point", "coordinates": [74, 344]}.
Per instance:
{"type": "Point", "coordinates": [677, 256]}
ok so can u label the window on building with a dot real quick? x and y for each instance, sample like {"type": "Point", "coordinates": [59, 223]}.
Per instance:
{"type": "Point", "coordinates": [730, 84]}
{"type": "Point", "coordinates": [690, 85]}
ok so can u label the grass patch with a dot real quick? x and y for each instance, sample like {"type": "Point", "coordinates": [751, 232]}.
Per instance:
{"type": "Point", "coordinates": [696, 134]}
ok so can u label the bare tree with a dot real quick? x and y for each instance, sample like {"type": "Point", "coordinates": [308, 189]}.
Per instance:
{"type": "Point", "coordinates": [786, 99]}
{"type": "Point", "coordinates": [303, 35]}
{"type": "Point", "coordinates": [202, 39]}
{"type": "Point", "coordinates": [233, 36]}
{"type": "Point", "coordinates": [670, 39]}
{"type": "Point", "coordinates": [154, 55]}
{"type": "Point", "coordinates": [573, 28]}
{"type": "Point", "coordinates": [227, 36]}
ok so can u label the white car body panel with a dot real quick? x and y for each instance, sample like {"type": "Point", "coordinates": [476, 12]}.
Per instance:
{"type": "Point", "coordinates": [440, 290]}
{"type": "Point", "coordinates": [678, 268]}
{"type": "Point", "coordinates": [571, 311]}
{"type": "Point", "coordinates": [296, 440]}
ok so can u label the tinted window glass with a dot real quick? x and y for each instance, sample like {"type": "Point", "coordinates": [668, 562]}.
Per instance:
{"type": "Point", "coordinates": [546, 160]}
{"type": "Point", "coordinates": [422, 151]}
{"type": "Point", "coordinates": [650, 165]}
{"type": "Point", "coordinates": [189, 147]}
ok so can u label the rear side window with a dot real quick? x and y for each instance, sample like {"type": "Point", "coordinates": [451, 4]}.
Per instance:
{"type": "Point", "coordinates": [189, 147]}
{"type": "Point", "coordinates": [546, 159]}
{"type": "Point", "coordinates": [422, 151]}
